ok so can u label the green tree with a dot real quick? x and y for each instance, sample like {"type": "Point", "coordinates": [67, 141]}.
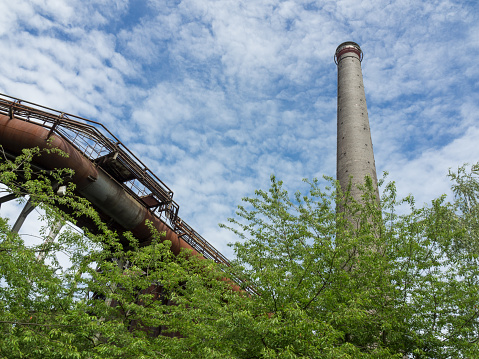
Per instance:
{"type": "Point", "coordinates": [365, 281]}
{"type": "Point", "coordinates": [115, 297]}
{"type": "Point", "coordinates": [368, 281]}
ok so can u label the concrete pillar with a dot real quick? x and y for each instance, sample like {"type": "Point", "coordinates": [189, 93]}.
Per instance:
{"type": "Point", "coordinates": [355, 157]}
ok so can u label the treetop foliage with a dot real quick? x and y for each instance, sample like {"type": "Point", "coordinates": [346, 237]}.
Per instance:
{"type": "Point", "coordinates": [331, 277]}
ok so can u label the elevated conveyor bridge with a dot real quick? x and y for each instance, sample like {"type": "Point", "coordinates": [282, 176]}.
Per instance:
{"type": "Point", "coordinates": [112, 165]}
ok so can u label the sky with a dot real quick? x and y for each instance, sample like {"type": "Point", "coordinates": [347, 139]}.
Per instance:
{"type": "Point", "coordinates": [216, 96]}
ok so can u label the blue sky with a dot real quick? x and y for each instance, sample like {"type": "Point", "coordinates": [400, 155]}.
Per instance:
{"type": "Point", "coordinates": [215, 96]}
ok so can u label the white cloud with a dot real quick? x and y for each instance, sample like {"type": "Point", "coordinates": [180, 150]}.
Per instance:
{"type": "Point", "coordinates": [425, 175]}
{"type": "Point", "coordinates": [215, 96]}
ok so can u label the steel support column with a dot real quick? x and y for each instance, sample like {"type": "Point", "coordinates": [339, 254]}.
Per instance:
{"type": "Point", "coordinates": [27, 209]}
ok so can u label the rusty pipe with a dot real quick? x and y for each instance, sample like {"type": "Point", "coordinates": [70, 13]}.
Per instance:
{"type": "Point", "coordinates": [91, 182]}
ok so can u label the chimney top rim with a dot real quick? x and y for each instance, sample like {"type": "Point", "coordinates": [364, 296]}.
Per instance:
{"type": "Point", "coordinates": [352, 43]}
{"type": "Point", "coordinates": [346, 47]}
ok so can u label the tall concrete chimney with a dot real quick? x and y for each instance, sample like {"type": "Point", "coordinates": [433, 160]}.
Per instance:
{"type": "Point", "coordinates": [355, 157]}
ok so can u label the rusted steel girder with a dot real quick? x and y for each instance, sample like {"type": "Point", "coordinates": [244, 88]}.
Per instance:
{"type": "Point", "coordinates": [94, 143]}
{"type": "Point", "coordinates": [91, 182]}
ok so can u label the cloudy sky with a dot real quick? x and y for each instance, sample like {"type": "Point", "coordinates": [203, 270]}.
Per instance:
{"type": "Point", "coordinates": [215, 96]}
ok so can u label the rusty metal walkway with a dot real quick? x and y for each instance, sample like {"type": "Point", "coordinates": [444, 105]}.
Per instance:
{"type": "Point", "coordinates": [96, 143]}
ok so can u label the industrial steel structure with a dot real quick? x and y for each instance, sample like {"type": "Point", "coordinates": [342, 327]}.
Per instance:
{"type": "Point", "coordinates": [107, 173]}
{"type": "Point", "coordinates": [355, 157]}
